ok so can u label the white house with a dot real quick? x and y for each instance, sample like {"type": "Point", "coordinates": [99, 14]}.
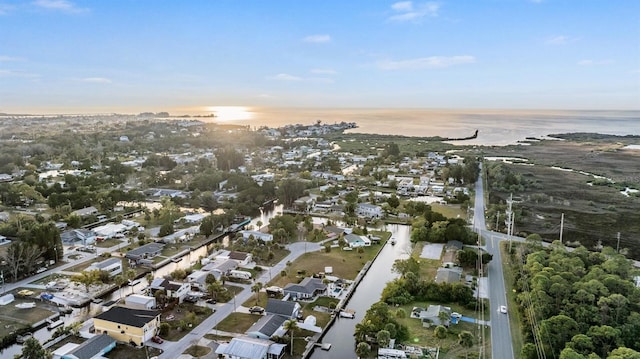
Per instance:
{"type": "Point", "coordinates": [110, 230]}
{"type": "Point", "coordinates": [140, 301]}
{"type": "Point", "coordinates": [266, 237]}
{"type": "Point", "coordinates": [369, 210]}
{"type": "Point", "coordinates": [172, 289]}
{"type": "Point", "coordinates": [355, 241]}
{"type": "Point", "coordinates": [251, 348]}
{"type": "Point", "coordinates": [113, 266]}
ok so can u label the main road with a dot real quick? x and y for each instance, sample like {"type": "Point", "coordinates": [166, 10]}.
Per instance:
{"type": "Point", "coordinates": [501, 340]}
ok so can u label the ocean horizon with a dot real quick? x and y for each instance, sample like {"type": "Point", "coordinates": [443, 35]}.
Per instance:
{"type": "Point", "coordinates": [495, 127]}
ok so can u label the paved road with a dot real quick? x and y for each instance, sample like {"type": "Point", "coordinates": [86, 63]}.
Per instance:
{"type": "Point", "coordinates": [173, 349]}
{"type": "Point", "coordinates": [501, 341]}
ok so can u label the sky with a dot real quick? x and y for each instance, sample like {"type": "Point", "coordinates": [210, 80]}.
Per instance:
{"type": "Point", "coordinates": [62, 56]}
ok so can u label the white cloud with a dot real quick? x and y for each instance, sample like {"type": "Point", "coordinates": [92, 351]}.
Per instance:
{"type": "Point", "coordinates": [14, 73]}
{"type": "Point", "coordinates": [96, 80]}
{"type": "Point", "coordinates": [558, 40]}
{"type": "Point", "coordinates": [284, 77]}
{"type": "Point", "coordinates": [594, 62]}
{"type": "Point", "coordinates": [426, 62]}
{"type": "Point", "coordinates": [61, 5]}
{"type": "Point", "coordinates": [402, 6]}
{"type": "Point", "coordinates": [323, 71]}
{"type": "Point", "coordinates": [407, 11]}
{"type": "Point", "coordinates": [4, 58]}
{"type": "Point", "coordinates": [317, 39]}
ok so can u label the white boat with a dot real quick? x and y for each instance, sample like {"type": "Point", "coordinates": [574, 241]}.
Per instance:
{"type": "Point", "coordinates": [54, 324]}
{"type": "Point", "coordinates": [348, 313]}
{"type": "Point", "coordinates": [26, 305]}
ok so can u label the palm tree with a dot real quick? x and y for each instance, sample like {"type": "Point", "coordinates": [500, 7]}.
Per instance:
{"type": "Point", "coordinates": [290, 325]}
{"type": "Point", "coordinates": [87, 278]}
{"type": "Point", "coordinates": [130, 274]}
{"type": "Point", "coordinates": [119, 280]}
{"type": "Point", "coordinates": [465, 338]}
{"type": "Point", "coordinates": [256, 289]}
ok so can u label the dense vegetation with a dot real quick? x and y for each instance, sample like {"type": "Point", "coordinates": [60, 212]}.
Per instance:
{"type": "Point", "coordinates": [434, 227]}
{"type": "Point", "coordinates": [577, 304]}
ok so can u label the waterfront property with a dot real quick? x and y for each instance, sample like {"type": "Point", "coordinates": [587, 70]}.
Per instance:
{"type": "Point", "coordinates": [95, 347]}
{"type": "Point", "coordinates": [251, 348]}
{"type": "Point", "coordinates": [307, 289]}
{"type": "Point", "coordinates": [172, 289]}
{"type": "Point", "coordinates": [113, 266]}
{"type": "Point", "coordinates": [128, 325]}
{"type": "Point", "coordinates": [145, 253]}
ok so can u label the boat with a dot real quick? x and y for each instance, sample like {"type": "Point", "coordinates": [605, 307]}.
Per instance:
{"type": "Point", "coordinates": [26, 305]}
{"type": "Point", "coordinates": [348, 313]}
{"type": "Point", "coordinates": [52, 324]}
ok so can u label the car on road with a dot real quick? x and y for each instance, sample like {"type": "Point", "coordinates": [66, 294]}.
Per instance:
{"type": "Point", "coordinates": [503, 309]}
{"type": "Point", "coordinates": [256, 310]}
{"type": "Point", "coordinates": [156, 339]}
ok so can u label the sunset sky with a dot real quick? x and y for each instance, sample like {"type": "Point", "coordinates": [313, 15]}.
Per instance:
{"type": "Point", "coordinates": [180, 56]}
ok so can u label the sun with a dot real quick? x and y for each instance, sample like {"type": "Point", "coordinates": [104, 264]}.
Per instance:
{"type": "Point", "coordinates": [231, 113]}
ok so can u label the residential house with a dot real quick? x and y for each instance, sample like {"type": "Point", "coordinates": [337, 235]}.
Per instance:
{"type": "Point", "coordinates": [431, 316]}
{"type": "Point", "coordinates": [84, 236]}
{"type": "Point", "coordinates": [128, 325]}
{"type": "Point", "coordinates": [287, 309]}
{"type": "Point", "coordinates": [251, 348]}
{"type": "Point", "coordinates": [267, 327]}
{"type": "Point", "coordinates": [450, 257]}
{"type": "Point", "coordinates": [448, 275]}
{"type": "Point", "coordinates": [110, 230]}
{"type": "Point", "coordinates": [307, 289]}
{"type": "Point", "coordinates": [172, 289]}
{"type": "Point", "coordinates": [368, 210]}
{"type": "Point", "coordinates": [144, 254]}
{"type": "Point", "coordinates": [304, 204]}
{"type": "Point", "coordinates": [94, 348]}
{"type": "Point", "coordinates": [193, 218]}
{"type": "Point", "coordinates": [219, 267]}
{"type": "Point", "coordinates": [266, 237]}
{"type": "Point", "coordinates": [85, 212]}
{"type": "Point", "coordinates": [113, 266]}
{"type": "Point", "coordinates": [138, 301]}
{"type": "Point", "coordinates": [355, 241]}
{"type": "Point", "coordinates": [242, 258]}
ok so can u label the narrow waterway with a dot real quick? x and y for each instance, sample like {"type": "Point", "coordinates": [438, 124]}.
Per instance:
{"type": "Point", "coordinates": [367, 293]}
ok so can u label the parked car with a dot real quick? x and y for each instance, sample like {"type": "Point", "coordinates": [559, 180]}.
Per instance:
{"type": "Point", "coordinates": [191, 299]}
{"type": "Point", "coordinates": [256, 309]}
{"type": "Point", "coordinates": [156, 339]}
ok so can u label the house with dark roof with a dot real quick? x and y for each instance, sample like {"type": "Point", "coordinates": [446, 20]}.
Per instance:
{"type": "Point", "coordinates": [307, 289]}
{"type": "Point", "coordinates": [144, 254]}
{"type": "Point", "coordinates": [128, 325]}
{"type": "Point", "coordinates": [287, 309]}
{"type": "Point", "coordinates": [93, 348]}
{"type": "Point", "coordinates": [448, 275]}
{"type": "Point", "coordinates": [267, 327]}
{"type": "Point", "coordinates": [172, 289]}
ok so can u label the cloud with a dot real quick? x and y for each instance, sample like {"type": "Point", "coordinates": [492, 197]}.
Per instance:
{"type": "Point", "coordinates": [432, 62]}
{"type": "Point", "coordinates": [4, 58]}
{"type": "Point", "coordinates": [60, 5]}
{"type": "Point", "coordinates": [594, 62]}
{"type": "Point", "coordinates": [96, 80]}
{"type": "Point", "coordinates": [317, 39]}
{"type": "Point", "coordinates": [407, 11]}
{"type": "Point", "coordinates": [323, 71]}
{"type": "Point", "coordinates": [284, 77]}
{"type": "Point", "coordinates": [558, 40]}
{"type": "Point", "coordinates": [14, 73]}
{"type": "Point", "coordinates": [6, 8]}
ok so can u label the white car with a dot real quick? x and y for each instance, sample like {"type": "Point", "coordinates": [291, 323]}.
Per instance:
{"type": "Point", "coordinates": [503, 309]}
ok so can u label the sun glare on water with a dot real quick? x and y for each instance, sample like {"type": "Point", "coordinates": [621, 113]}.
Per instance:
{"type": "Point", "coordinates": [231, 113]}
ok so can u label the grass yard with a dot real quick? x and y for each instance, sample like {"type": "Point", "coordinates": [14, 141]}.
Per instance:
{"type": "Point", "coordinates": [238, 322]}
{"type": "Point", "coordinates": [322, 318]}
{"type": "Point", "coordinates": [183, 317]}
{"type": "Point", "coordinates": [197, 351]}
{"type": "Point", "coordinates": [346, 264]}
{"type": "Point", "coordinates": [449, 347]}
{"type": "Point", "coordinates": [129, 352]}
{"type": "Point", "coordinates": [449, 210]}
{"type": "Point", "coordinates": [108, 243]}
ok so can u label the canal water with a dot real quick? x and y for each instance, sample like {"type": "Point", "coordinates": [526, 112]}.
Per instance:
{"type": "Point", "coordinates": [368, 292]}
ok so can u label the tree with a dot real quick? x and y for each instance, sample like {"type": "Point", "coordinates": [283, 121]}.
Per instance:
{"type": "Point", "coordinates": [87, 278]}
{"type": "Point", "coordinates": [604, 338]}
{"type": "Point", "coordinates": [569, 353]}
{"type": "Point", "coordinates": [393, 201]}
{"type": "Point", "coordinates": [291, 326]}
{"type": "Point", "coordinates": [363, 350]}
{"type": "Point", "coordinates": [440, 332]}
{"type": "Point", "coordinates": [206, 227]}
{"type": "Point", "coordinates": [624, 353]}
{"type": "Point", "coordinates": [404, 266]}
{"type": "Point", "coordinates": [33, 350]}
{"type": "Point", "coordinates": [119, 281]}
{"type": "Point", "coordinates": [383, 337]}
{"type": "Point", "coordinates": [130, 274]}
{"type": "Point", "coordinates": [465, 338]}
{"type": "Point", "coordinates": [256, 289]}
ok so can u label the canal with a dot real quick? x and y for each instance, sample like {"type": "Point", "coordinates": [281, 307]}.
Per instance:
{"type": "Point", "coordinates": [368, 292]}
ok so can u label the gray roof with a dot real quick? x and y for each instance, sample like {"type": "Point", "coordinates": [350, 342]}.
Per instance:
{"type": "Point", "coordinates": [107, 262]}
{"type": "Point", "coordinates": [74, 235]}
{"type": "Point", "coordinates": [281, 307]}
{"type": "Point", "coordinates": [128, 316]}
{"type": "Point", "coordinates": [250, 348]}
{"type": "Point", "coordinates": [91, 347]}
{"type": "Point", "coordinates": [448, 275]}
{"type": "Point", "coordinates": [268, 324]}
{"type": "Point", "coordinates": [308, 285]}
{"type": "Point", "coordinates": [147, 248]}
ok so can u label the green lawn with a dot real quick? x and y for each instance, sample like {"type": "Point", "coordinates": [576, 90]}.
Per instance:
{"type": "Point", "coordinates": [182, 320]}
{"type": "Point", "coordinates": [108, 243]}
{"type": "Point", "coordinates": [129, 352]}
{"type": "Point", "coordinates": [197, 351]}
{"type": "Point", "coordinates": [237, 322]}
{"type": "Point", "coordinates": [449, 210]}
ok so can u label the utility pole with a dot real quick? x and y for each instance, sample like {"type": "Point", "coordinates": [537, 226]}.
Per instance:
{"type": "Point", "coordinates": [561, 226]}
{"type": "Point", "coordinates": [509, 219]}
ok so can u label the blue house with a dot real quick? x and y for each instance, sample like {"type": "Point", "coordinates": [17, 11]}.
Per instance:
{"type": "Point", "coordinates": [95, 347]}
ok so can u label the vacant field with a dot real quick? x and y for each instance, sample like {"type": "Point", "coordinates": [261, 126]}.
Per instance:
{"type": "Point", "coordinates": [346, 264]}
{"type": "Point", "coordinates": [237, 322]}
{"type": "Point", "coordinates": [594, 209]}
